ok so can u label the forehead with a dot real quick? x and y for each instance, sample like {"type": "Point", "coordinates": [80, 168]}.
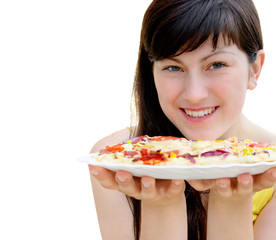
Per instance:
{"type": "Point", "coordinates": [223, 42]}
{"type": "Point", "coordinates": [207, 48]}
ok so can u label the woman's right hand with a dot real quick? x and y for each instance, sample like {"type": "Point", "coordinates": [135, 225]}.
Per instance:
{"type": "Point", "coordinates": [148, 189]}
{"type": "Point", "coordinates": [163, 202]}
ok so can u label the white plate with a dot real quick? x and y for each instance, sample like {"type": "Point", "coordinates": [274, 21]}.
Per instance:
{"type": "Point", "coordinates": [184, 172]}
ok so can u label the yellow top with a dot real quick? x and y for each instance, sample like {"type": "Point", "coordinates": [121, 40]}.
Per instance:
{"type": "Point", "coordinates": [260, 199]}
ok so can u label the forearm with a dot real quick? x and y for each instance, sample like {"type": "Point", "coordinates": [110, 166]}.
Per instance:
{"type": "Point", "coordinates": [164, 222]}
{"type": "Point", "coordinates": [229, 220]}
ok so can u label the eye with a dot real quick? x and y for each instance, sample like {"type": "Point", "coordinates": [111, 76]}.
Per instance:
{"type": "Point", "coordinates": [217, 65]}
{"type": "Point", "coordinates": [173, 69]}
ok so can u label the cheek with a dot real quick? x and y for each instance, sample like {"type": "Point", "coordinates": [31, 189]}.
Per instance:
{"type": "Point", "coordinates": [232, 88]}
{"type": "Point", "coordinates": [168, 91]}
{"type": "Point", "coordinates": [232, 93]}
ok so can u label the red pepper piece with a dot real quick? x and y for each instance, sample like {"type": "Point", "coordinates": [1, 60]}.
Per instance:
{"type": "Point", "coordinates": [153, 158]}
{"type": "Point", "coordinates": [151, 162]}
{"type": "Point", "coordinates": [163, 138]}
{"type": "Point", "coordinates": [146, 151]}
{"type": "Point", "coordinates": [259, 145]}
{"type": "Point", "coordinates": [115, 148]}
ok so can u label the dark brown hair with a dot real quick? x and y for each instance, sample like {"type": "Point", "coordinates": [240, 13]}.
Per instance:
{"type": "Point", "coordinates": [171, 27]}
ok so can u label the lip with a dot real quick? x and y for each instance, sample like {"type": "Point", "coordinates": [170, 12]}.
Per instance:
{"type": "Point", "coordinates": [198, 119]}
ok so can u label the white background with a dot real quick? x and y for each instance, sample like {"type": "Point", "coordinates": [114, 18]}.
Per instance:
{"type": "Point", "coordinates": [66, 71]}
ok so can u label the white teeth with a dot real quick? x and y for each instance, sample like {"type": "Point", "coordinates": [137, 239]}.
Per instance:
{"type": "Point", "coordinates": [198, 114]}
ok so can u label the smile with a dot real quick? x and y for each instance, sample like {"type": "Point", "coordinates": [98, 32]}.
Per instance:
{"type": "Point", "coordinates": [200, 113]}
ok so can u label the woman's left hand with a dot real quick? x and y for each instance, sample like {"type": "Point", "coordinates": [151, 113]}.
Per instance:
{"type": "Point", "coordinates": [233, 189]}
{"type": "Point", "coordinates": [243, 185]}
{"type": "Point", "coordinates": [230, 203]}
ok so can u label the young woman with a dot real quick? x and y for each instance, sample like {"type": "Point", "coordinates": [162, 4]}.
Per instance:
{"type": "Point", "coordinates": [197, 59]}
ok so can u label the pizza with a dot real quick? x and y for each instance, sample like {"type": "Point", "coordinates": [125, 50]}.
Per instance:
{"type": "Point", "coordinates": [166, 151]}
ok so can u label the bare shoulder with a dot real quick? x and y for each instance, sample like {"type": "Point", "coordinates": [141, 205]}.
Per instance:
{"type": "Point", "coordinates": [265, 135]}
{"type": "Point", "coordinates": [112, 139]}
{"type": "Point", "coordinates": [271, 137]}
{"type": "Point", "coordinates": [259, 133]}
{"type": "Point", "coordinates": [115, 213]}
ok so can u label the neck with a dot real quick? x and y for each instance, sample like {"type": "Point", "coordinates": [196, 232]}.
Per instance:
{"type": "Point", "coordinates": [246, 129]}
{"type": "Point", "coordinates": [242, 129]}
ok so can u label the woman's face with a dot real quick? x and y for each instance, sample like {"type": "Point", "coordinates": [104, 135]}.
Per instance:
{"type": "Point", "coordinates": [202, 92]}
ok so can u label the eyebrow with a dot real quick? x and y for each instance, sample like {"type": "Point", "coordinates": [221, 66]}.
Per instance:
{"type": "Point", "coordinates": [216, 52]}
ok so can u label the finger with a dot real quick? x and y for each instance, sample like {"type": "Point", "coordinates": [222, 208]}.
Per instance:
{"type": "Point", "coordinates": [148, 188]}
{"type": "Point", "coordinates": [224, 187]}
{"type": "Point", "coordinates": [245, 184]}
{"type": "Point", "coordinates": [177, 188]}
{"type": "Point", "coordinates": [265, 180]}
{"type": "Point", "coordinates": [105, 177]}
{"type": "Point", "coordinates": [127, 184]}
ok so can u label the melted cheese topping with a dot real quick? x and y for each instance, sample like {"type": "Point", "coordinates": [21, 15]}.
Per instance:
{"type": "Point", "coordinates": [180, 151]}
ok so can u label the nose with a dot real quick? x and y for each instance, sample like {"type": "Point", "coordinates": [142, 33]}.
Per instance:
{"type": "Point", "coordinates": [195, 89]}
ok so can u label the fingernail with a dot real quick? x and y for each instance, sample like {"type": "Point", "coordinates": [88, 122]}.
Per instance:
{"type": "Point", "coordinates": [223, 185]}
{"type": "Point", "coordinates": [245, 182]}
{"type": "Point", "coordinates": [94, 172]}
{"type": "Point", "coordinates": [121, 179]}
{"type": "Point", "coordinates": [273, 174]}
{"type": "Point", "coordinates": [177, 182]}
{"type": "Point", "coordinates": [145, 184]}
